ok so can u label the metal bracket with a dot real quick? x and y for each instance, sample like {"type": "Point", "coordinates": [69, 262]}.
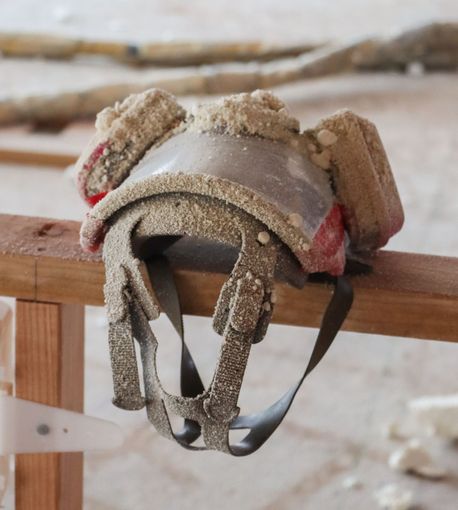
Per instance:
{"type": "Point", "coordinates": [28, 427]}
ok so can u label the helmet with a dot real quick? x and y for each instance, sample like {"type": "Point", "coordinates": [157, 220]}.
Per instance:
{"type": "Point", "coordinates": [237, 171]}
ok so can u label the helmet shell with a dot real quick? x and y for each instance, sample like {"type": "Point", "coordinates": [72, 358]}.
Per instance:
{"type": "Point", "coordinates": [267, 179]}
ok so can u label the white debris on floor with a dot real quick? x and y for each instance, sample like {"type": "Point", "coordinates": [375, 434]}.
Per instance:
{"type": "Point", "coordinates": [414, 458]}
{"type": "Point", "coordinates": [393, 497]}
{"type": "Point", "coordinates": [390, 430]}
{"type": "Point", "coordinates": [438, 415]}
{"type": "Point", "coordinates": [416, 69]}
{"type": "Point", "coordinates": [351, 482]}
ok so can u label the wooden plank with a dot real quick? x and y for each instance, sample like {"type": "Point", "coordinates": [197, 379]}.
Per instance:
{"type": "Point", "coordinates": [83, 281]}
{"type": "Point", "coordinates": [36, 158]}
{"type": "Point", "coordinates": [24, 145]}
{"type": "Point", "coordinates": [18, 276]}
{"type": "Point", "coordinates": [29, 269]}
{"type": "Point", "coordinates": [406, 295]}
{"type": "Point", "coordinates": [50, 370]}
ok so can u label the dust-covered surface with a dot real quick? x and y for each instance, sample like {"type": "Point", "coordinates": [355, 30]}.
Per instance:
{"type": "Point", "coordinates": [125, 132]}
{"type": "Point", "coordinates": [41, 237]}
{"type": "Point", "coordinates": [257, 114]}
{"type": "Point", "coordinates": [334, 430]}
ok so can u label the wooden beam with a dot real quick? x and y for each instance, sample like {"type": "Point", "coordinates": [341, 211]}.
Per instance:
{"type": "Point", "coordinates": [51, 147]}
{"type": "Point", "coordinates": [36, 158]}
{"type": "Point", "coordinates": [407, 294]}
{"type": "Point", "coordinates": [50, 370]}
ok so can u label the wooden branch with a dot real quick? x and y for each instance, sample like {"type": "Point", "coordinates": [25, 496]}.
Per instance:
{"type": "Point", "coordinates": [434, 46]}
{"type": "Point", "coordinates": [407, 295]}
{"type": "Point", "coordinates": [62, 107]}
{"type": "Point", "coordinates": [180, 53]}
{"type": "Point", "coordinates": [50, 370]}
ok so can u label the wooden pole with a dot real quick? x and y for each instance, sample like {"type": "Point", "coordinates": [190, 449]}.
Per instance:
{"type": "Point", "coordinates": [173, 53]}
{"type": "Point", "coordinates": [50, 370]}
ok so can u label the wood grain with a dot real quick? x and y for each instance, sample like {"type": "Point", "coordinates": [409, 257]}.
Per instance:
{"type": "Point", "coordinates": [6, 344]}
{"type": "Point", "coordinates": [407, 294]}
{"type": "Point", "coordinates": [50, 370]}
{"type": "Point", "coordinates": [36, 158]}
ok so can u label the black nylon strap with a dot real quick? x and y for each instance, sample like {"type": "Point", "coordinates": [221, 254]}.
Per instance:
{"type": "Point", "coordinates": [262, 425]}
{"type": "Point", "coordinates": [163, 283]}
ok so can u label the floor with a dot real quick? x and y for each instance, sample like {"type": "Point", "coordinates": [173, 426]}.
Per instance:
{"type": "Point", "coordinates": [336, 426]}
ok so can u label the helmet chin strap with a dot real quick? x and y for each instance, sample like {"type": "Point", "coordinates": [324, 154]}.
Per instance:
{"type": "Point", "coordinates": [220, 405]}
{"type": "Point", "coordinates": [241, 317]}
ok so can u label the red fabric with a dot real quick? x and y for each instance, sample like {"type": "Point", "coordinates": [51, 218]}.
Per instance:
{"type": "Point", "coordinates": [92, 200]}
{"type": "Point", "coordinates": [95, 156]}
{"type": "Point", "coordinates": [327, 253]}
{"type": "Point", "coordinates": [87, 168]}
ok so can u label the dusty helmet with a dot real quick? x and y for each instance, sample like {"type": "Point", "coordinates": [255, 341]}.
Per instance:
{"type": "Point", "coordinates": [167, 183]}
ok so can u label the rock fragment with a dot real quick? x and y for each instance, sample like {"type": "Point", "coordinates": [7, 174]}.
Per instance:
{"type": "Point", "coordinates": [326, 137]}
{"type": "Point", "coordinates": [351, 482]}
{"type": "Point", "coordinates": [437, 414]}
{"type": "Point", "coordinates": [321, 159]}
{"type": "Point", "coordinates": [393, 497]}
{"type": "Point", "coordinates": [414, 458]}
{"type": "Point", "coordinates": [263, 237]}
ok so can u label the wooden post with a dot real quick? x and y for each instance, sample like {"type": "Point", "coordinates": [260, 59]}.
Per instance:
{"type": "Point", "coordinates": [50, 370]}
